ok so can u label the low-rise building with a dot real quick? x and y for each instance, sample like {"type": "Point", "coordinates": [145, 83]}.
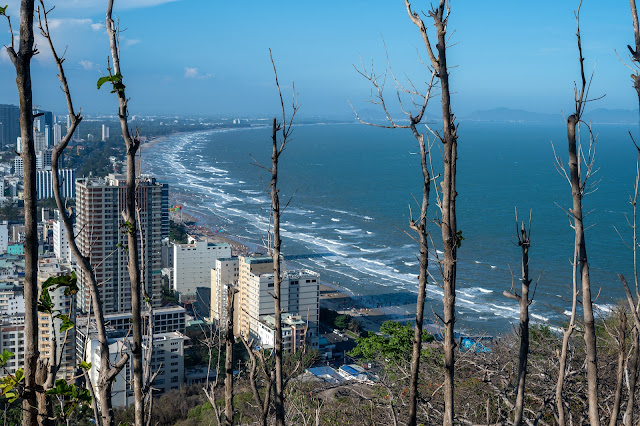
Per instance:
{"type": "Point", "coordinates": [12, 340]}
{"type": "Point", "coordinates": [50, 336]}
{"type": "Point", "coordinates": [167, 358]}
{"type": "Point", "coordinates": [293, 332]}
{"type": "Point", "coordinates": [165, 320]}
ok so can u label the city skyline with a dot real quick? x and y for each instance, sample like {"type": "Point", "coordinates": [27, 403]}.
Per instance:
{"type": "Point", "coordinates": [194, 57]}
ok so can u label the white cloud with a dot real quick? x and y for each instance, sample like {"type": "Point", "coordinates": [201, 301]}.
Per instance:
{"type": "Point", "coordinates": [99, 5]}
{"type": "Point", "coordinates": [88, 65]}
{"type": "Point", "coordinates": [56, 23]}
{"type": "Point", "coordinates": [97, 26]}
{"type": "Point", "coordinates": [195, 73]}
{"type": "Point", "coordinates": [4, 56]}
{"type": "Point", "coordinates": [131, 42]}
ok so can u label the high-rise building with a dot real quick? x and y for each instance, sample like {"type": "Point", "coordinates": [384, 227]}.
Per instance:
{"type": "Point", "coordinates": [299, 295]}
{"type": "Point", "coordinates": [44, 183]}
{"type": "Point", "coordinates": [10, 128]}
{"type": "Point", "coordinates": [18, 168]}
{"type": "Point", "coordinates": [60, 242]}
{"type": "Point", "coordinates": [57, 133]}
{"type": "Point", "coordinates": [99, 224]}
{"type": "Point", "coordinates": [105, 132]}
{"type": "Point", "coordinates": [43, 159]}
{"type": "Point", "coordinates": [43, 123]}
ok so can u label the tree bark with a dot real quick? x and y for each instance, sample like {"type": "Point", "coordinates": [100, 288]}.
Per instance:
{"type": "Point", "coordinates": [22, 62]}
{"type": "Point", "coordinates": [278, 399]}
{"type": "Point", "coordinates": [525, 243]}
{"type": "Point", "coordinates": [131, 225]}
{"type": "Point", "coordinates": [451, 239]}
{"type": "Point", "coordinates": [421, 227]}
{"type": "Point", "coordinates": [622, 349]}
{"type": "Point", "coordinates": [228, 364]}
{"type": "Point", "coordinates": [581, 247]}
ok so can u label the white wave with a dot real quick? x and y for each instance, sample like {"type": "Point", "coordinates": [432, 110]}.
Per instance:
{"type": "Point", "coordinates": [410, 263]}
{"type": "Point", "coordinates": [539, 317]}
{"type": "Point", "coordinates": [369, 233]}
{"type": "Point", "coordinates": [333, 219]}
{"type": "Point", "coordinates": [476, 261]}
{"type": "Point", "coordinates": [605, 308]}
{"type": "Point", "coordinates": [364, 250]}
{"type": "Point", "coordinates": [494, 267]}
{"type": "Point", "coordinates": [351, 231]}
{"type": "Point", "coordinates": [375, 262]}
{"type": "Point", "coordinates": [367, 218]}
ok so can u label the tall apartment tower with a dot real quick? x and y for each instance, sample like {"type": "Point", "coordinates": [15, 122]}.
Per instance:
{"type": "Point", "coordinates": [100, 203]}
{"type": "Point", "coordinates": [105, 132]}
{"type": "Point", "coordinates": [10, 124]}
{"type": "Point", "coordinates": [299, 295]}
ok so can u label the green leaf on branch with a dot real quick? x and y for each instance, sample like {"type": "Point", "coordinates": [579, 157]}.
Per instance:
{"type": "Point", "coordinates": [459, 239]}
{"type": "Point", "coordinates": [67, 324]}
{"type": "Point", "coordinates": [4, 357]}
{"type": "Point", "coordinates": [3, 10]}
{"type": "Point", "coordinates": [115, 80]}
{"type": "Point", "coordinates": [85, 365]}
{"type": "Point", "coordinates": [45, 305]}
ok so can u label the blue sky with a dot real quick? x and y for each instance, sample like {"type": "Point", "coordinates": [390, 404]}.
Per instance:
{"type": "Point", "coordinates": [211, 57]}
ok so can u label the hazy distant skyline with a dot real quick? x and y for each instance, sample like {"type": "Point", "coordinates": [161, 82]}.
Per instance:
{"type": "Point", "coordinates": [204, 57]}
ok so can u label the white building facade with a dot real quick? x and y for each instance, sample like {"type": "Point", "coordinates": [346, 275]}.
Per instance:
{"type": "Point", "coordinates": [192, 264]}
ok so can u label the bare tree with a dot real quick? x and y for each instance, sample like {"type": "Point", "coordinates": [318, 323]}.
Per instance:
{"type": "Point", "coordinates": [132, 144]}
{"type": "Point", "coordinates": [107, 372]}
{"type": "Point", "coordinates": [418, 225]}
{"type": "Point", "coordinates": [22, 63]}
{"type": "Point", "coordinates": [579, 179]}
{"type": "Point", "coordinates": [257, 360]}
{"type": "Point", "coordinates": [634, 361]}
{"type": "Point", "coordinates": [228, 363]}
{"type": "Point", "coordinates": [620, 338]}
{"type": "Point", "coordinates": [280, 137]}
{"type": "Point", "coordinates": [451, 237]}
{"type": "Point", "coordinates": [524, 241]}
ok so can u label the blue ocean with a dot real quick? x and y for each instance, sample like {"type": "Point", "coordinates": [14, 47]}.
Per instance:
{"type": "Point", "coordinates": [350, 189]}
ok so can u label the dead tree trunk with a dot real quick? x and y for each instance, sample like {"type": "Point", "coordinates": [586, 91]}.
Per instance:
{"type": "Point", "coordinates": [418, 225]}
{"type": "Point", "coordinates": [269, 376]}
{"type": "Point", "coordinates": [278, 399]}
{"type": "Point", "coordinates": [622, 355]}
{"type": "Point", "coordinates": [524, 241]}
{"type": "Point", "coordinates": [451, 237]}
{"type": "Point", "coordinates": [130, 222]}
{"type": "Point", "coordinates": [578, 181]}
{"type": "Point", "coordinates": [108, 373]}
{"type": "Point", "coordinates": [228, 364]}
{"type": "Point", "coordinates": [278, 145]}
{"type": "Point", "coordinates": [562, 362]}
{"type": "Point", "coordinates": [22, 63]}
{"type": "Point", "coordinates": [633, 363]}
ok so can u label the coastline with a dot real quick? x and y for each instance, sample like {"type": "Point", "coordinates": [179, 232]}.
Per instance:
{"type": "Point", "coordinates": [331, 296]}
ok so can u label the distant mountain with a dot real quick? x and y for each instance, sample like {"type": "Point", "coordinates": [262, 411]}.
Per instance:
{"type": "Point", "coordinates": [600, 115]}
{"type": "Point", "coordinates": [612, 116]}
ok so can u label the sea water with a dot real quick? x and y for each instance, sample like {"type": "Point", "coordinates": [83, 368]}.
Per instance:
{"type": "Point", "coordinates": [349, 190]}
